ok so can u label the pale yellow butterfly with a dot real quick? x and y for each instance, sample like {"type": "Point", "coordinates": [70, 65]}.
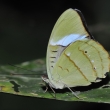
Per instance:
{"type": "Point", "coordinates": [74, 58]}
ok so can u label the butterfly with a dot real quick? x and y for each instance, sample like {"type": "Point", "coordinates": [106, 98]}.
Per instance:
{"type": "Point", "coordinates": [74, 58]}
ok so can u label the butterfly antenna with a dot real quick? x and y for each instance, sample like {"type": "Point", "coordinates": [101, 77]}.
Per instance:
{"type": "Point", "coordinates": [53, 91]}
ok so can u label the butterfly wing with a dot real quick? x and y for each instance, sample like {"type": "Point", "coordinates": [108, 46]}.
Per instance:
{"type": "Point", "coordinates": [81, 63]}
{"type": "Point", "coordinates": [69, 29]}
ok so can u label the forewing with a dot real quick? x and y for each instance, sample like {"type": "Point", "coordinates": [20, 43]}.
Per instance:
{"type": "Point", "coordinates": [69, 28]}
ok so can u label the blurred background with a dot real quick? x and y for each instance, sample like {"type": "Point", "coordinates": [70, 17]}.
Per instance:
{"type": "Point", "coordinates": [25, 27]}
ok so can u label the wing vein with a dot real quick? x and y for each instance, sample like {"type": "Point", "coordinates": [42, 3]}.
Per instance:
{"type": "Point", "coordinates": [76, 67]}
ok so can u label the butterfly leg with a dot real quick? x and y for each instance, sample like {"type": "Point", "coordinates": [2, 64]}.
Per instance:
{"type": "Point", "coordinates": [75, 94]}
{"type": "Point", "coordinates": [53, 91]}
{"type": "Point", "coordinates": [44, 85]}
{"type": "Point", "coordinates": [46, 89]}
{"type": "Point", "coordinates": [50, 88]}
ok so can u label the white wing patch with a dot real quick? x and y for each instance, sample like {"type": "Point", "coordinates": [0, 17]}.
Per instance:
{"type": "Point", "coordinates": [65, 41]}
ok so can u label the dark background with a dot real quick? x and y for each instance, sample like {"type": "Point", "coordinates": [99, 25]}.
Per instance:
{"type": "Point", "coordinates": [25, 27]}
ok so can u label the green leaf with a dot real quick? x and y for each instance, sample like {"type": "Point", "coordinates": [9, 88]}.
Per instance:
{"type": "Point", "coordinates": [25, 79]}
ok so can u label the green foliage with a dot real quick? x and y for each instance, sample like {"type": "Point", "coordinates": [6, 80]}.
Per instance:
{"type": "Point", "coordinates": [25, 79]}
